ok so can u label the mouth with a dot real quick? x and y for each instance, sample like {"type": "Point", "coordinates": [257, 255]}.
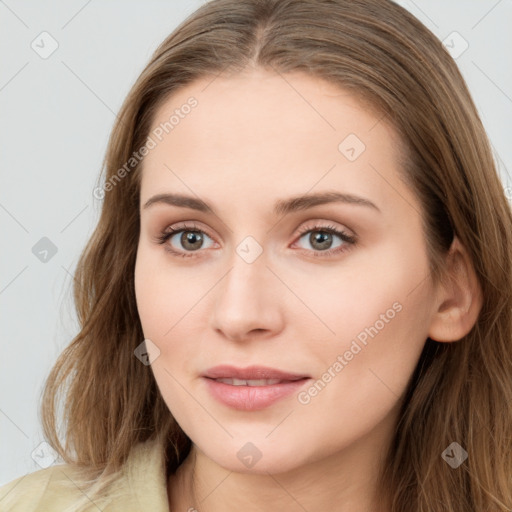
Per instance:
{"type": "Point", "coordinates": [251, 389]}
{"type": "Point", "coordinates": [251, 382]}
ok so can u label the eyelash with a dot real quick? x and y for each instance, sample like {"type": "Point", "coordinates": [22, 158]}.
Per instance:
{"type": "Point", "coordinates": [346, 238]}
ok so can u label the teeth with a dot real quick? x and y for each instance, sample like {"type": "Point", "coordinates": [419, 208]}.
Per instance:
{"type": "Point", "coordinates": [254, 382]}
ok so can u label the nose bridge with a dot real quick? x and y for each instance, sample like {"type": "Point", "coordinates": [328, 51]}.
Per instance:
{"type": "Point", "coordinates": [248, 271]}
{"type": "Point", "coordinates": [246, 298]}
{"type": "Point", "coordinates": [247, 261]}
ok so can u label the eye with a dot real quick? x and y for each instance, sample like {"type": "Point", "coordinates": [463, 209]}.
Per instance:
{"type": "Point", "coordinates": [321, 239]}
{"type": "Point", "coordinates": [190, 237]}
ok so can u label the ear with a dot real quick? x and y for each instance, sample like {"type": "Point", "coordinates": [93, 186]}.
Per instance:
{"type": "Point", "coordinates": [459, 298]}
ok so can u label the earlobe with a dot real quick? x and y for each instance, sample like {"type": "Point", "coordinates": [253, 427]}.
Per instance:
{"type": "Point", "coordinates": [459, 299]}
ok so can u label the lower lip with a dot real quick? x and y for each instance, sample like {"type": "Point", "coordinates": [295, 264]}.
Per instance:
{"type": "Point", "coordinates": [252, 398]}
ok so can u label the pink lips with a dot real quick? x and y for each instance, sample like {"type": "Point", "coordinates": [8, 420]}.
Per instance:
{"type": "Point", "coordinates": [251, 397]}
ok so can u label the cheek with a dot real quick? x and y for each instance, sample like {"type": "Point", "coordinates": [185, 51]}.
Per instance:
{"type": "Point", "coordinates": [171, 306]}
{"type": "Point", "coordinates": [381, 318]}
{"type": "Point", "coordinates": [368, 288]}
{"type": "Point", "coordinates": [163, 293]}
{"type": "Point", "coordinates": [161, 304]}
{"type": "Point", "coordinates": [376, 317]}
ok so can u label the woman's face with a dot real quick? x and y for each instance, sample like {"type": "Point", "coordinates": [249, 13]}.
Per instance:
{"type": "Point", "coordinates": [258, 278]}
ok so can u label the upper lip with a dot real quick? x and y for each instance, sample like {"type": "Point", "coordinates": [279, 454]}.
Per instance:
{"type": "Point", "coordinates": [250, 373]}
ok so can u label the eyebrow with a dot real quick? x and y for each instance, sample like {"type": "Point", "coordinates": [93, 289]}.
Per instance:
{"type": "Point", "coordinates": [281, 207]}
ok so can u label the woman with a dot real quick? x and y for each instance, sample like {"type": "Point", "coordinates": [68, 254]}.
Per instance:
{"type": "Point", "coordinates": [300, 284]}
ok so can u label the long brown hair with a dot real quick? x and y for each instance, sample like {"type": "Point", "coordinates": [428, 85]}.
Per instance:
{"type": "Point", "coordinates": [460, 392]}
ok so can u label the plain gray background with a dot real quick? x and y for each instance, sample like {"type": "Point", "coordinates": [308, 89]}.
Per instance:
{"type": "Point", "coordinates": [57, 113]}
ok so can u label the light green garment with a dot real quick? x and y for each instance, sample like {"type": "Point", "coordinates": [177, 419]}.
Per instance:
{"type": "Point", "coordinates": [142, 484]}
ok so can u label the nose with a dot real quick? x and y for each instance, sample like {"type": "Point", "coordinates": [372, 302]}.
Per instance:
{"type": "Point", "coordinates": [248, 301]}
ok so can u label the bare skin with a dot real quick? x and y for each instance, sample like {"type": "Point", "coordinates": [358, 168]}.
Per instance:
{"type": "Point", "coordinates": [252, 140]}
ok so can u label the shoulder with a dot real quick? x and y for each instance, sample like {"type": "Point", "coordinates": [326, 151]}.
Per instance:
{"type": "Point", "coordinates": [140, 485]}
{"type": "Point", "coordinates": [51, 487]}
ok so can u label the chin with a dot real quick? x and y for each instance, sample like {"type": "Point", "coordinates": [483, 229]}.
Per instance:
{"type": "Point", "coordinates": [259, 458]}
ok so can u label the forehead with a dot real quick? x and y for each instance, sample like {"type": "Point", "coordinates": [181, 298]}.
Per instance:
{"type": "Point", "coordinates": [258, 105]}
{"type": "Point", "coordinates": [269, 133]}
